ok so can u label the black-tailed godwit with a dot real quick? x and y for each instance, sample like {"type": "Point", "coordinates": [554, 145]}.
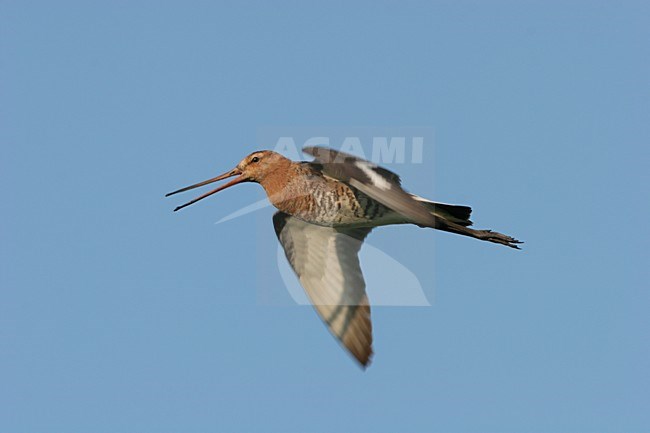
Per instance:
{"type": "Point", "coordinates": [326, 208]}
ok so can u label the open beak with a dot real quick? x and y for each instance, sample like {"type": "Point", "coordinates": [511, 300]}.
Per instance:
{"type": "Point", "coordinates": [231, 173]}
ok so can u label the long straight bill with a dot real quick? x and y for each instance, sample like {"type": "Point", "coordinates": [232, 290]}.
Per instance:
{"type": "Point", "coordinates": [231, 173]}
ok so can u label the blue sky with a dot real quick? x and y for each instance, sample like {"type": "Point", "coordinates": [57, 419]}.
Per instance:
{"type": "Point", "coordinates": [117, 315]}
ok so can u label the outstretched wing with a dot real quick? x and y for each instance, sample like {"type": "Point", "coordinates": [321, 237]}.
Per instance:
{"type": "Point", "coordinates": [325, 259]}
{"type": "Point", "coordinates": [376, 182]}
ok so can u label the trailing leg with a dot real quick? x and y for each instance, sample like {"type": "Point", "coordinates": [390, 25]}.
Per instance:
{"type": "Point", "coordinates": [484, 235]}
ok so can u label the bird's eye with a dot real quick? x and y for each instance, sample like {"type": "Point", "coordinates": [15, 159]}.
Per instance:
{"type": "Point", "coordinates": [255, 159]}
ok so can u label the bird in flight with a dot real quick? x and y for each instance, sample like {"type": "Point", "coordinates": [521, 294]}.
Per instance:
{"type": "Point", "coordinates": [326, 208]}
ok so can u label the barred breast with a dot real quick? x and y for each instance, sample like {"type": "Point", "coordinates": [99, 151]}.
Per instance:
{"type": "Point", "coordinates": [324, 201]}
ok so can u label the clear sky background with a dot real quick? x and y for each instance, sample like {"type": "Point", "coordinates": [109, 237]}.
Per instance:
{"type": "Point", "coordinates": [117, 315]}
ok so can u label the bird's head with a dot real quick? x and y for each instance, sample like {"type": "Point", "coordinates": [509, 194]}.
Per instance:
{"type": "Point", "coordinates": [256, 167]}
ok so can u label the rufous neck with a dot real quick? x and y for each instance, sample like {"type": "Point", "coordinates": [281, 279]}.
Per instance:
{"type": "Point", "coordinates": [276, 181]}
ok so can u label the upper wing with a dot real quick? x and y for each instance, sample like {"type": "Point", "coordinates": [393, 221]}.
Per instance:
{"type": "Point", "coordinates": [326, 263]}
{"type": "Point", "coordinates": [374, 181]}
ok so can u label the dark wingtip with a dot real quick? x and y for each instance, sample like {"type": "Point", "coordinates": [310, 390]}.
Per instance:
{"type": "Point", "coordinates": [364, 364]}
